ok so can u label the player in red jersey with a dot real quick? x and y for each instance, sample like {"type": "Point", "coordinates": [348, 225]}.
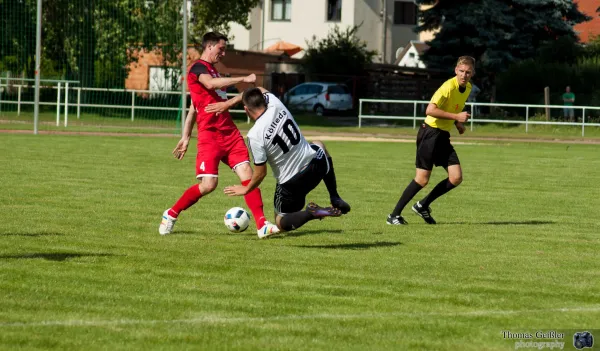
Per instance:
{"type": "Point", "coordinates": [219, 140]}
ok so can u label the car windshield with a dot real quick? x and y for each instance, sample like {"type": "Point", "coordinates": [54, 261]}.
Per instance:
{"type": "Point", "coordinates": [338, 89]}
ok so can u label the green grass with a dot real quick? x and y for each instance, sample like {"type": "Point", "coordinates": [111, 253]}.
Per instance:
{"type": "Point", "coordinates": [91, 122]}
{"type": "Point", "coordinates": [83, 267]}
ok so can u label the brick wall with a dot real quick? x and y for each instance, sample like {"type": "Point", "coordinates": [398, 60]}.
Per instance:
{"type": "Point", "coordinates": [236, 63]}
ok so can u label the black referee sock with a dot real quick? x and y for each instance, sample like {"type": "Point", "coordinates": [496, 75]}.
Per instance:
{"type": "Point", "coordinates": [295, 220]}
{"type": "Point", "coordinates": [330, 181]}
{"type": "Point", "coordinates": [443, 187]}
{"type": "Point", "coordinates": [411, 190]}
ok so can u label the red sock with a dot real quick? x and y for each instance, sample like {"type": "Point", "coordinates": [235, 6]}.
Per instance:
{"type": "Point", "coordinates": [255, 203]}
{"type": "Point", "coordinates": [189, 197]}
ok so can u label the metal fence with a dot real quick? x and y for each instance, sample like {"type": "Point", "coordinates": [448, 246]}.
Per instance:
{"type": "Point", "coordinates": [417, 107]}
{"type": "Point", "coordinates": [67, 101]}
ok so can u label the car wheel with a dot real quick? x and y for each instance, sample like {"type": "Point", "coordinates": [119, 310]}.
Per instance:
{"type": "Point", "coordinates": [319, 110]}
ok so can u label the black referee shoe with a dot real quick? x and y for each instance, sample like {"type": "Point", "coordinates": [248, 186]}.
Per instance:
{"type": "Point", "coordinates": [424, 213]}
{"type": "Point", "coordinates": [395, 220]}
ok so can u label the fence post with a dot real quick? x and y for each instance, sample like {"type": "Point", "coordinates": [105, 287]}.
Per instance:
{"type": "Point", "coordinates": [132, 105]}
{"type": "Point", "coordinates": [472, 115]}
{"type": "Point", "coordinates": [66, 103]}
{"type": "Point", "coordinates": [58, 106]}
{"type": "Point", "coordinates": [583, 123]}
{"type": "Point", "coordinates": [527, 119]}
{"type": "Point", "coordinates": [415, 116]}
{"type": "Point", "coordinates": [19, 101]}
{"type": "Point", "coordinates": [78, 103]}
{"type": "Point", "coordinates": [359, 113]}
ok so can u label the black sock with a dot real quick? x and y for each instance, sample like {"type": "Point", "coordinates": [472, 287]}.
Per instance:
{"type": "Point", "coordinates": [443, 187]}
{"type": "Point", "coordinates": [411, 190]}
{"type": "Point", "coordinates": [330, 181]}
{"type": "Point", "coordinates": [295, 220]}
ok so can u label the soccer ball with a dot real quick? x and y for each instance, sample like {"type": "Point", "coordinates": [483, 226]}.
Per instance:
{"type": "Point", "coordinates": [237, 219]}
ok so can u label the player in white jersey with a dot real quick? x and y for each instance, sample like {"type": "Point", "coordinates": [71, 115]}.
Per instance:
{"type": "Point", "coordinates": [297, 165]}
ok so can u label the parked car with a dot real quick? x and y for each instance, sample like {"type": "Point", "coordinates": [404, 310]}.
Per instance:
{"type": "Point", "coordinates": [319, 97]}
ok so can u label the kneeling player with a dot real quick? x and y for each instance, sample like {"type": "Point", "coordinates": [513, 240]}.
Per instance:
{"type": "Point", "coordinates": [297, 165]}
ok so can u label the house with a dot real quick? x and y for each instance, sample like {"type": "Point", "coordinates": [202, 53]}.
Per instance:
{"type": "Point", "coordinates": [299, 21]}
{"type": "Point", "coordinates": [588, 30]}
{"type": "Point", "coordinates": [409, 56]}
{"type": "Point", "coordinates": [149, 72]}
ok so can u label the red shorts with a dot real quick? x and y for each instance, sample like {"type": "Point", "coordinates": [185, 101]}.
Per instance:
{"type": "Point", "coordinates": [214, 147]}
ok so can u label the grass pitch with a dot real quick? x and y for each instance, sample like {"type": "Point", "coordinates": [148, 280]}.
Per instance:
{"type": "Point", "coordinates": [82, 265]}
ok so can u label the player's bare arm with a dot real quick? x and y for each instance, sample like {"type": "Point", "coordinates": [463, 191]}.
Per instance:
{"type": "Point", "coordinates": [212, 83]}
{"type": "Point", "coordinates": [183, 143]}
{"type": "Point", "coordinates": [259, 174]}
{"type": "Point", "coordinates": [220, 107]}
{"type": "Point", "coordinates": [434, 111]}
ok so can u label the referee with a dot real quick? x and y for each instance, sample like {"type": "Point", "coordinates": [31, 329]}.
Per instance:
{"type": "Point", "coordinates": [433, 142]}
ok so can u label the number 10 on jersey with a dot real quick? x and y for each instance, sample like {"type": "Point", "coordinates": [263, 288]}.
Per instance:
{"type": "Point", "coordinates": [290, 130]}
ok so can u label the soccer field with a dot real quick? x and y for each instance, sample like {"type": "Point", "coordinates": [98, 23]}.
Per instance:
{"type": "Point", "coordinates": [82, 265]}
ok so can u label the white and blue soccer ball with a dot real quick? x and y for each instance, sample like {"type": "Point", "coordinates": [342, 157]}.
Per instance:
{"type": "Point", "coordinates": [237, 219]}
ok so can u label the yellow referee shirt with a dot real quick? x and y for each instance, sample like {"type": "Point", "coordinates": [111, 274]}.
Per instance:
{"type": "Point", "coordinates": [448, 98]}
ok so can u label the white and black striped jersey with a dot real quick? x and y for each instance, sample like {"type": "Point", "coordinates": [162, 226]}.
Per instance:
{"type": "Point", "coordinates": [276, 138]}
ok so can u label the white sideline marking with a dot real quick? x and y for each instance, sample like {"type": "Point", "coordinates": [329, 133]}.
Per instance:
{"type": "Point", "coordinates": [220, 320]}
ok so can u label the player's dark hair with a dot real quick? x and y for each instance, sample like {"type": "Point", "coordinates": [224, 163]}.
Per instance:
{"type": "Point", "coordinates": [212, 38]}
{"type": "Point", "coordinates": [254, 99]}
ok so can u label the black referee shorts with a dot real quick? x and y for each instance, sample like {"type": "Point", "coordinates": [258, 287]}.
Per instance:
{"type": "Point", "coordinates": [291, 196]}
{"type": "Point", "coordinates": [434, 148]}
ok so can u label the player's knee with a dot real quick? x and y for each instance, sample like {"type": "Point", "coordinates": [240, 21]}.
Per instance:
{"type": "Point", "coordinates": [456, 180]}
{"type": "Point", "coordinates": [278, 219]}
{"type": "Point", "coordinates": [422, 180]}
{"type": "Point", "coordinates": [321, 145]}
{"type": "Point", "coordinates": [244, 171]}
{"type": "Point", "coordinates": [208, 185]}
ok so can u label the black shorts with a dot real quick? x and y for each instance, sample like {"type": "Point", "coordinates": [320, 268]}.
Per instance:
{"type": "Point", "coordinates": [434, 148]}
{"type": "Point", "coordinates": [291, 196]}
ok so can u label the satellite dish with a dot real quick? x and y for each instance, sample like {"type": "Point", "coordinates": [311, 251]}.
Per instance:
{"type": "Point", "coordinates": [424, 7]}
{"type": "Point", "coordinates": [398, 52]}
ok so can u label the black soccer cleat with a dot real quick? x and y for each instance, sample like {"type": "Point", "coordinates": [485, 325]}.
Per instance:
{"type": "Point", "coordinates": [322, 212]}
{"type": "Point", "coordinates": [395, 220]}
{"type": "Point", "coordinates": [340, 204]}
{"type": "Point", "coordinates": [424, 213]}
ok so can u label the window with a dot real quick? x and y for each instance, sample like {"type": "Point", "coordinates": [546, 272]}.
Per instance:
{"type": "Point", "coordinates": [301, 90]}
{"type": "Point", "coordinates": [405, 12]}
{"type": "Point", "coordinates": [281, 10]}
{"type": "Point", "coordinates": [338, 89]}
{"type": "Point", "coordinates": [315, 89]}
{"type": "Point", "coordinates": [334, 10]}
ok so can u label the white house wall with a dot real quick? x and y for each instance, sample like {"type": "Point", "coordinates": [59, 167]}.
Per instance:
{"type": "Point", "coordinates": [309, 18]}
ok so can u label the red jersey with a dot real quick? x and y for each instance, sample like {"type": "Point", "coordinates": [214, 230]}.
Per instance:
{"type": "Point", "coordinates": [201, 97]}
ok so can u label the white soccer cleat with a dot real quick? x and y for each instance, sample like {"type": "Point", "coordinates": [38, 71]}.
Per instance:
{"type": "Point", "coordinates": [267, 230]}
{"type": "Point", "coordinates": [167, 223]}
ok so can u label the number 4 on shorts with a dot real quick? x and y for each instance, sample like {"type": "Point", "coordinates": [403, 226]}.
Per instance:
{"type": "Point", "coordinates": [202, 166]}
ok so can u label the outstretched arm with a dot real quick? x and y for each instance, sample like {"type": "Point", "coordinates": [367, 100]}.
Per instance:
{"type": "Point", "coordinates": [217, 83]}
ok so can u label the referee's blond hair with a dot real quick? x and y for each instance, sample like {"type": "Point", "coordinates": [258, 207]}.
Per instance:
{"type": "Point", "coordinates": [466, 60]}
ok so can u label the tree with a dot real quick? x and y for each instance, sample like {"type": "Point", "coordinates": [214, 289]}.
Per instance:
{"type": "Point", "coordinates": [340, 53]}
{"type": "Point", "coordinates": [496, 32]}
{"type": "Point", "coordinates": [217, 15]}
{"type": "Point", "coordinates": [94, 41]}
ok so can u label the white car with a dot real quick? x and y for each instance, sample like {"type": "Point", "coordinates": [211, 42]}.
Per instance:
{"type": "Point", "coordinates": [319, 97]}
